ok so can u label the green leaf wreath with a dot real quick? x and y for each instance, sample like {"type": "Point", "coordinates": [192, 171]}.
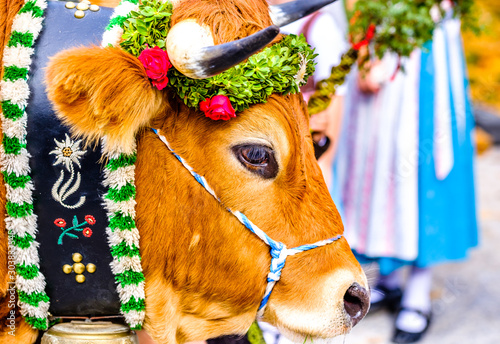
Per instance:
{"type": "Point", "coordinates": [402, 25]}
{"type": "Point", "coordinates": [147, 26]}
{"type": "Point", "coordinates": [281, 68]}
{"type": "Point", "coordinates": [273, 70]}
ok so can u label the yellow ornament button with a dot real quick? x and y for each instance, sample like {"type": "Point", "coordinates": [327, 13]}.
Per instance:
{"type": "Point", "coordinates": [82, 6]}
{"type": "Point", "coordinates": [67, 269]}
{"type": "Point", "coordinates": [77, 257]}
{"type": "Point", "coordinates": [91, 268]}
{"type": "Point", "coordinates": [79, 268]}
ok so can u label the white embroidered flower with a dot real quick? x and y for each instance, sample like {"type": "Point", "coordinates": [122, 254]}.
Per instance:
{"type": "Point", "coordinates": [301, 74]}
{"type": "Point", "coordinates": [68, 152]}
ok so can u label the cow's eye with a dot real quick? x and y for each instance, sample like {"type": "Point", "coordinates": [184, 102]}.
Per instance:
{"type": "Point", "coordinates": [257, 159]}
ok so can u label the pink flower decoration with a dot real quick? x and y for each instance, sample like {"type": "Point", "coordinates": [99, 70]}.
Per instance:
{"type": "Point", "coordinates": [157, 64]}
{"type": "Point", "coordinates": [218, 107]}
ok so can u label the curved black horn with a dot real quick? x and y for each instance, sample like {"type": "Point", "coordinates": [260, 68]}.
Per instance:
{"type": "Point", "coordinates": [291, 11]}
{"type": "Point", "coordinates": [209, 60]}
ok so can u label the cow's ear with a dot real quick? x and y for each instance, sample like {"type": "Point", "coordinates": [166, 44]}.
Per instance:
{"type": "Point", "coordinates": [103, 92]}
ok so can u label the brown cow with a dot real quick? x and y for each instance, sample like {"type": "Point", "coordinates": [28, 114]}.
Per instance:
{"type": "Point", "coordinates": [205, 272]}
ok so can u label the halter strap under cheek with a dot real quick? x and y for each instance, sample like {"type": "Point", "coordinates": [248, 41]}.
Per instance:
{"type": "Point", "coordinates": [279, 251]}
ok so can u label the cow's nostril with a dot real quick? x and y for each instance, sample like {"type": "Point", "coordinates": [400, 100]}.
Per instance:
{"type": "Point", "coordinates": [356, 302]}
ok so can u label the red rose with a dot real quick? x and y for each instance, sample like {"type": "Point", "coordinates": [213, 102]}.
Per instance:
{"type": "Point", "coordinates": [90, 219]}
{"type": "Point", "coordinates": [87, 232]}
{"type": "Point", "coordinates": [157, 64]}
{"type": "Point", "coordinates": [60, 222]}
{"type": "Point", "coordinates": [218, 107]}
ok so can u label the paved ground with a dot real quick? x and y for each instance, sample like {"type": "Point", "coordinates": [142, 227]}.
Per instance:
{"type": "Point", "coordinates": [466, 296]}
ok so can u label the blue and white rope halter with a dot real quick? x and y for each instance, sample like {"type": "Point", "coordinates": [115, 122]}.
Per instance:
{"type": "Point", "coordinates": [279, 251]}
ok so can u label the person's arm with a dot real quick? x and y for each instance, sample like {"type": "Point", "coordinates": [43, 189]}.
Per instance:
{"type": "Point", "coordinates": [329, 122]}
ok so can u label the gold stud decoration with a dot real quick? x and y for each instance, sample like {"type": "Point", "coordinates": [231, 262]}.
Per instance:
{"type": "Point", "coordinates": [79, 14]}
{"type": "Point", "coordinates": [77, 257]}
{"type": "Point", "coordinates": [80, 278]}
{"type": "Point", "coordinates": [79, 268]}
{"type": "Point", "coordinates": [91, 268]}
{"type": "Point", "coordinates": [81, 7]}
{"type": "Point", "coordinates": [67, 269]}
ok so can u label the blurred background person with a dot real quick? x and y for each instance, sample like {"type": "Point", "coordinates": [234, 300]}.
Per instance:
{"type": "Point", "coordinates": [326, 31]}
{"type": "Point", "coordinates": [405, 163]}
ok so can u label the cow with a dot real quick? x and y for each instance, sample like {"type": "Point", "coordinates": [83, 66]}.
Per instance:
{"type": "Point", "coordinates": [205, 272]}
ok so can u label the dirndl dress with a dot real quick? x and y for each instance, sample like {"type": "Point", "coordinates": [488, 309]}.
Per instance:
{"type": "Point", "coordinates": [404, 168]}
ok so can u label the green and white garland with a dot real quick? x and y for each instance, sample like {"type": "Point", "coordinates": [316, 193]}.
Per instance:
{"type": "Point", "coordinates": [113, 33]}
{"type": "Point", "coordinates": [14, 158]}
{"type": "Point", "coordinates": [119, 201]}
{"type": "Point", "coordinates": [21, 222]}
{"type": "Point", "coordinates": [123, 235]}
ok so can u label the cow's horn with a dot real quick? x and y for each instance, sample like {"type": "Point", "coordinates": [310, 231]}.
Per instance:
{"type": "Point", "coordinates": [291, 11]}
{"type": "Point", "coordinates": [191, 49]}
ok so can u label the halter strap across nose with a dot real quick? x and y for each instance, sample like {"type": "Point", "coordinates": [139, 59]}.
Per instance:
{"type": "Point", "coordinates": [279, 252]}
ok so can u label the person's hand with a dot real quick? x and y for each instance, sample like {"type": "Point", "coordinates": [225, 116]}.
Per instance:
{"type": "Point", "coordinates": [371, 76]}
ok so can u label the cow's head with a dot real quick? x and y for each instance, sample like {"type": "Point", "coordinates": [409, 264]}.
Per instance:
{"type": "Point", "coordinates": [205, 272]}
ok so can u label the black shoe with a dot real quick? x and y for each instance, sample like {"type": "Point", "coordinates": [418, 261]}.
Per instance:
{"type": "Point", "coordinates": [404, 337]}
{"type": "Point", "coordinates": [391, 299]}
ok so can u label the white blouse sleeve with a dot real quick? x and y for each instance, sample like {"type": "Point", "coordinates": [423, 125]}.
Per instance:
{"type": "Point", "coordinates": [329, 41]}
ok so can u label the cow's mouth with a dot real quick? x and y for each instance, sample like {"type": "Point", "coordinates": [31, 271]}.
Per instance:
{"type": "Point", "coordinates": [302, 338]}
{"type": "Point", "coordinates": [348, 312]}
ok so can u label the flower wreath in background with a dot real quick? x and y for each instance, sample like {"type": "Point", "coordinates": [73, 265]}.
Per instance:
{"type": "Point", "coordinates": [141, 30]}
{"type": "Point", "coordinates": [396, 26]}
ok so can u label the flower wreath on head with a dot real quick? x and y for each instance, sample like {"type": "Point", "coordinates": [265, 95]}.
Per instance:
{"type": "Point", "coordinates": [141, 30]}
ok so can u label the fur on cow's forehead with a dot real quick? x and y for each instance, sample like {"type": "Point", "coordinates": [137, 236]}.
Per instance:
{"type": "Point", "coordinates": [229, 20]}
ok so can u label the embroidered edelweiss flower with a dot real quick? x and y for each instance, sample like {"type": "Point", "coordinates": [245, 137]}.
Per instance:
{"type": "Point", "coordinates": [68, 152]}
{"type": "Point", "coordinates": [301, 74]}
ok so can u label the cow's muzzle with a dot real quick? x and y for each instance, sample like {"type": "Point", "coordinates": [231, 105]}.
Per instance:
{"type": "Point", "coordinates": [356, 303]}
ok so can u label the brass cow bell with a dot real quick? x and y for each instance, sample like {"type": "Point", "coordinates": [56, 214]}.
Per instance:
{"type": "Point", "coordinates": [78, 332]}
